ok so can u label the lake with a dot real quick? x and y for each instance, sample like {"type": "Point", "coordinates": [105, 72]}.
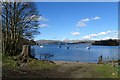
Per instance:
{"type": "Point", "coordinates": [75, 52]}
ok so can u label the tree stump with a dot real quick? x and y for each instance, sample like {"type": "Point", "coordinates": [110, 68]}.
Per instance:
{"type": "Point", "coordinates": [25, 55]}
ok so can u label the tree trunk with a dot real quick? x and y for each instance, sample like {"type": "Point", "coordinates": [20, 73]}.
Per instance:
{"type": "Point", "coordinates": [6, 34]}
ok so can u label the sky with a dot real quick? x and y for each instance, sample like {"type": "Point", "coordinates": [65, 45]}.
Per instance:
{"type": "Point", "coordinates": [77, 20]}
{"type": "Point", "coordinates": [62, 0]}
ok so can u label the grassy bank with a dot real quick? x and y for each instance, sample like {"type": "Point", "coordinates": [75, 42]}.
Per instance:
{"type": "Point", "coordinates": [15, 69]}
{"type": "Point", "coordinates": [107, 71]}
{"type": "Point", "coordinates": [9, 62]}
{"type": "Point", "coordinates": [47, 69]}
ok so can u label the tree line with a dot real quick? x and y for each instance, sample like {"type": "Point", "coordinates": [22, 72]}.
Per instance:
{"type": "Point", "coordinates": [20, 20]}
{"type": "Point", "coordinates": [108, 42]}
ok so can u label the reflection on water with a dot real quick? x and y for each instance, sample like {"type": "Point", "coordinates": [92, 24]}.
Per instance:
{"type": "Point", "coordinates": [75, 52]}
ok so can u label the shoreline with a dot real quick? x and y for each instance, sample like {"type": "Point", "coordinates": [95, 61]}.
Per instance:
{"type": "Point", "coordinates": [63, 62]}
{"type": "Point", "coordinates": [72, 62]}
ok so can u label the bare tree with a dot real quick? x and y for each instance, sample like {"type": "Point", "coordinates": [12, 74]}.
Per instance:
{"type": "Point", "coordinates": [20, 20]}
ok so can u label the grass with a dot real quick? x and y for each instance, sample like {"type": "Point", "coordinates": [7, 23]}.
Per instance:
{"type": "Point", "coordinates": [107, 71]}
{"type": "Point", "coordinates": [9, 62]}
{"type": "Point", "coordinates": [25, 70]}
{"type": "Point", "coordinates": [40, 65]}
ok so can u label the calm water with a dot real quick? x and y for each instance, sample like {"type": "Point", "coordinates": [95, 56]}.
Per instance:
{"type": "Point", "coordinates": [81, 53]}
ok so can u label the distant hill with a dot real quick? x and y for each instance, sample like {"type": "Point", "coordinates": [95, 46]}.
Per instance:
{"type": "Point", "coordinates": [49, 42]}
{"type": "Point", "coordinates": [62, 42]}
{"type": "Point", "coordinates": [109, 42]}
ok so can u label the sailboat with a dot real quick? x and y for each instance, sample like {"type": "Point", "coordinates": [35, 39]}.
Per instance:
{"type": "Point", "coordinates": [88, 47]}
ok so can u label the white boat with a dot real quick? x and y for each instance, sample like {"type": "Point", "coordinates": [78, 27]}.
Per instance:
{"type": "Point", "coordinates": [41, 46]}
{"type": "Point", "coordinates": [88, 47]}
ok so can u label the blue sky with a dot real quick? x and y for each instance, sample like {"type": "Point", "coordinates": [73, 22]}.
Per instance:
{"type": "Point", "coordinates": [77, 20]}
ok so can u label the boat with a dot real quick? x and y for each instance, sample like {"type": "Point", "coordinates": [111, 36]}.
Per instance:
{"type": "Point", "coordinates": [75, 46]}
{"type": "Point", "coordinates": [41, 46]}
{"type": "Point", "coordinates": [59, 46]}
{"type": "Point", "coordinates": [88, 47]}
{"type": "Point", "coordinates": [67, 47]}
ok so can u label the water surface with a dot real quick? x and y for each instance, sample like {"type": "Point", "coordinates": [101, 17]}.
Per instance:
{"type": "Point", "coordinates": [81, 53]}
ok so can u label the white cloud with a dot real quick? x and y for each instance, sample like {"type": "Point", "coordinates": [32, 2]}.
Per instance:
{"type": "Point", "coordinates": [85, 20]}
{"type": "Point", "coordinates": [81, 24]}
{"type": "Point", "coordinates": [34, 17]}
{"type": "Point", "coordinates": [86, 37]}
{"type": "Point", "coordinates": [107, 34]}
{"type": "Point", "coordinates": [93, 35]}
{"type": "Point", "coordinates": [43, 25]}
{"type": "Point", "coordinates": [115, 38]}
{"type": "Point", "coordinates": [105, 38]}
{"type": "Point", "coordinates": [41, 18]}
{"type": "Point", "coordinates": [104, 33]}
{"type": "Point", "coordinates": [95, 18]}
{"type": "Point", "coordinates": [90, 36]}
{"type": "Point", "coordinates": [65, 39]}
{"type": "Point", "coordinates": [75, 33]}
{"type": "Point", "coordinates": [110, 31]}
